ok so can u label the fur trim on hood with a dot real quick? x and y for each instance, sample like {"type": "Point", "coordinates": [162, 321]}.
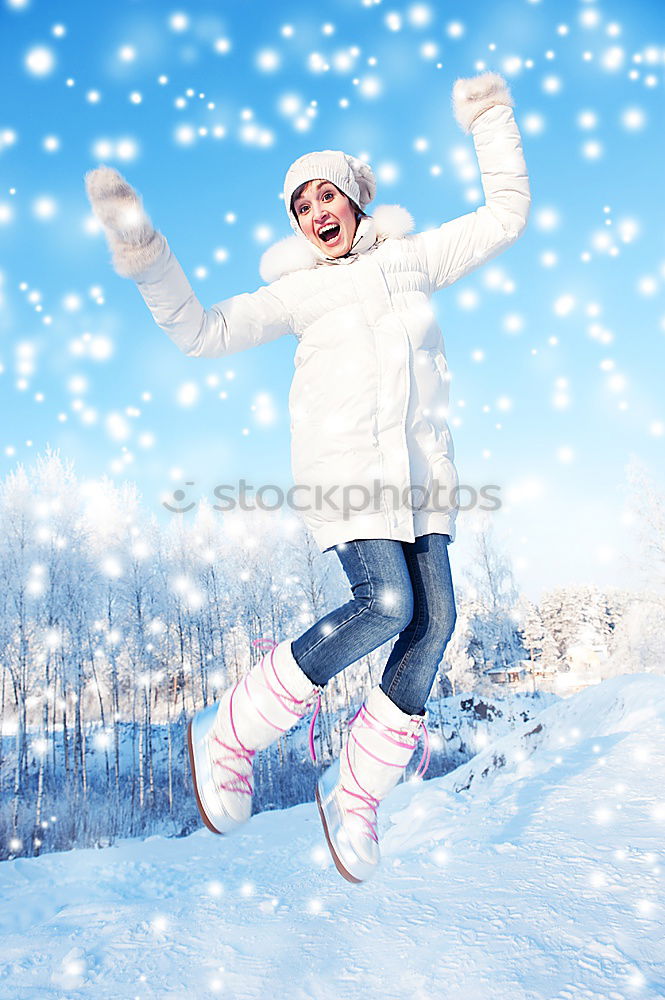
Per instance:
{"type": "Point", "coordinates": [294, 253]}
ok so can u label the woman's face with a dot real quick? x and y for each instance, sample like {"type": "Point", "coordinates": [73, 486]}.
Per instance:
{"type": "Point", "coordinates": [320, 206]}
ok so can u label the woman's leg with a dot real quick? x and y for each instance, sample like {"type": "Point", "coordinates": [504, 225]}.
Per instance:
{"type": "Point", "coordinates": [384, 733]}
{"type": "Point", "coordinates": [381, 606]}
{"type": "Point", "coordinates": [413, 663]}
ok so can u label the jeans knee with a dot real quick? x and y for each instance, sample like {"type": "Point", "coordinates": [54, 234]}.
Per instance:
{"type": "Point", "coordinates": [442, 622]}
{"type": "Point", "coordinates": [395, 608]}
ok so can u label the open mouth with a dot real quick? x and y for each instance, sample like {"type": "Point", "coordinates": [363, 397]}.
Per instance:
{"type": "Point", "coordinates": [330, 234]}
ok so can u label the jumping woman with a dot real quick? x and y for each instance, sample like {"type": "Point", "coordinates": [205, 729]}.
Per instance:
{"type": "Point", "coordinates": [372, 455]}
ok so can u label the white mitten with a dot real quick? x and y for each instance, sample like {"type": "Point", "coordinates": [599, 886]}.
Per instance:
{"type": "Point", "coordinates": [475, 94]}
{"type": "Point", "coordinates": [130, 234]}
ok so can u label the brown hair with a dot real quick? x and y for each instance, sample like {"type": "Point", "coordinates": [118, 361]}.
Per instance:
{"type": "Point", "coordinates": [298, 194]}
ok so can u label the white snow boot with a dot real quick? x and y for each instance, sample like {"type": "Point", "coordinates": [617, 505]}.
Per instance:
{"type": "Point", "coordinates": [378, 746]}
{"type": "Point", "coordinates": [224, 737]}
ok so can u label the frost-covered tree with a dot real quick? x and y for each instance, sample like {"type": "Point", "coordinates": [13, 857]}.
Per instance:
{"type": "Point", "coordinates": [646, 507]}
{"type": "Point", "coordinates": [17, 516]}
{"type": "Point", "coordinates": [639, 643]}
{"type": "Point", "coordinates": [559, 612]}
{"type": "Point", "coordinates": [459, 664]}
{"type": "Point", "coordinates": [491, 584]}
{"type": "Point", "coordinates": [531, 630]}
{"type": "Point", "coordinates": [574, 616]}
{"type": "Point", "coordinates": [489, 572]}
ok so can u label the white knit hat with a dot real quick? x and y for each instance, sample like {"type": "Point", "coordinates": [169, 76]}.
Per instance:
{"type": "Point", "coordinates": [353, 177]}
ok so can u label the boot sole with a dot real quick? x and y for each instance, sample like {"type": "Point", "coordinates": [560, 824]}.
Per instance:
{"type": "Point", "coordinates": [192, 768]}
{"type": "Point", "coordinates": [338, 864]}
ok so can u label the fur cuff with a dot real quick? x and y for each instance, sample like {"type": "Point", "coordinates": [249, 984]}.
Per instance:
{"type": "Point", "coordinates": [130, 260]}
{"type": "Point", "coordinates": [473, 95]}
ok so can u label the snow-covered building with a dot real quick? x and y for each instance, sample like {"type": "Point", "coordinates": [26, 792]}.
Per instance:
{"type": "Point", "coordinates": [584, 660]}
{"type": "Point", "coordinates": [512, 673]}
{"type": "Point", "coordinates": [586, 656]}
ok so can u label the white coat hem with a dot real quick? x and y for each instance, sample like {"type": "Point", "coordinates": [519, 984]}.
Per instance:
{"type": "Point", "coordinates": [375, 526]}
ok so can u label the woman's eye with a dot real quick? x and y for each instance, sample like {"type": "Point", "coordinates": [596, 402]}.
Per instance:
{"type": "Point", "coordinates": [331, 193]}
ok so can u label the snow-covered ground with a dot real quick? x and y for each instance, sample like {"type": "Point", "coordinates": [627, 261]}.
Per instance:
{"type": "Point", "coordinates": [532, 872]}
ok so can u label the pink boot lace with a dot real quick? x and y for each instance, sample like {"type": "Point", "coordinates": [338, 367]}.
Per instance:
{"type": "Point", "coordinates": [243, 782]}
{"type": "Point", "coordinates": [369, 801]}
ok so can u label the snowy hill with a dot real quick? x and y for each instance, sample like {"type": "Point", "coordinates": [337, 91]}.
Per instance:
{"type": "Point", "coordinates": [532, 872]}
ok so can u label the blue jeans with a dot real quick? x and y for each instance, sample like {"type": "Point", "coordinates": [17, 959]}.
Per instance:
{"type": "Point", "coordinates": [398, 587]}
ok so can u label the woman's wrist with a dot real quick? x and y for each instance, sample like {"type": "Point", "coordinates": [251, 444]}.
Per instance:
{"type": "Point", "coordinates": [131, 260]}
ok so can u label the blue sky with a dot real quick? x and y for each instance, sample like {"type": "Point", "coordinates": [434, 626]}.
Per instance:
{"type": "Point", "coordinates": [556, 347]}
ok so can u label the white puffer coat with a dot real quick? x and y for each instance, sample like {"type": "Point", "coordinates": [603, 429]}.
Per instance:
{"type": "Point", "coordinates": [369, 396]}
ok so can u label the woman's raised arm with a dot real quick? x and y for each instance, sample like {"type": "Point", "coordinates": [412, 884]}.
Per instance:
{"type": "Point", "coordinates": [482, 106]}
{"type": "Point", "coordinates": [142, 253]}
